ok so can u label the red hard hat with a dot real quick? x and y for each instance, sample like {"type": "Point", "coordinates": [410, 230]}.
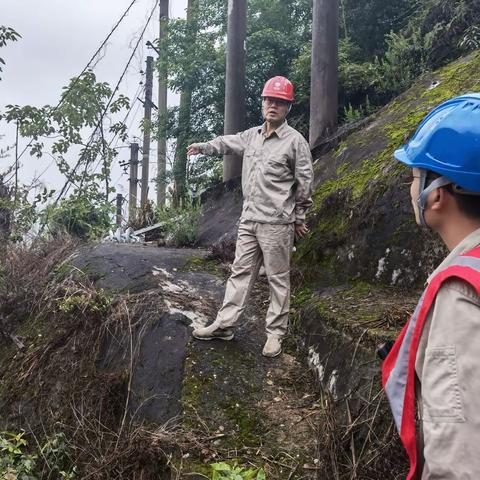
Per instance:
{"type": "Point", "coordinates": [279, 87]}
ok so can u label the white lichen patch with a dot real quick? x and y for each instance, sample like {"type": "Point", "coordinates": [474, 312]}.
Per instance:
{"type": "Point", "coordinates": [315, 364]}
{"type": "Point", "coordinates": [198, 319]}
{"type": "Point", "coordinates": [381, 267]}
{"type": "Point", "coordinates": [396, 273]}
{"type": "Point", "coordinates": [171, 287]}
{"type": "Point", "coordinates": [382, 264]}
{"type": "Point", "coordinates": [332, 384]}
{"type": "Point", "coordinates": [160, 271]}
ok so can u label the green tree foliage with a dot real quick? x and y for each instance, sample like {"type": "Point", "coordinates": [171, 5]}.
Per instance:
{"type": "Point", "coordinates": [7, 34]}
{"type": "Point", "coordinates": [376, 60]}
{"type": "Point", "coordinates": [366, 22]}
{"type": "Point", "coordinates": [194, 48]}
{"type": "Point", "coordinates": [449, 28]}
{"type": "Point", "coordinates": [81, 215]}
{"type": "Point", "coordinates": [437, 31]}
{"type": "Point", "coordinates": [85, 105]}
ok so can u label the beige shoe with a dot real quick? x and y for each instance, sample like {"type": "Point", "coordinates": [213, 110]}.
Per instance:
{"type": "Point", "coordinates": [213, 332]}
{"type": "Point", "coordinates": [273, 346]}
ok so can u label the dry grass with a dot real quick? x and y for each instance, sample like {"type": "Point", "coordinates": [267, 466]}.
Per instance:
{"type": "Point", "coordinates": [26, 271]}
{"type": "Point", "coordinates": [50, 382]}
{"type": "Point", "coordinates": [358, 439]}
{"type": "Point", "coordinates": [224, 249]}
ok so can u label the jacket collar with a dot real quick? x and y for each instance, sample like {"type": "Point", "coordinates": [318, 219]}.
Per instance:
{"type": "Point", "coordinates": [468, 243]}
{"type": "Point", "coordinates": [281, 131]}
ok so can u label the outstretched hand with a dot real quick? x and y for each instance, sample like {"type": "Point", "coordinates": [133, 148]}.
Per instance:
{"type": "Point", "coordinates": [193, 149]}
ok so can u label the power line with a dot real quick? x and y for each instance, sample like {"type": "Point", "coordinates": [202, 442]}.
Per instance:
{"type": "Point", "coordinates": [98, 50]}
{"type": "Point", "coordinates": [133, 103]}
{"type": "Point", "coordinates": [123, 74]}
{"type": "Point", "coordinates": [77, 79]}
{"type": "Point", "coordinates": [66, 186]}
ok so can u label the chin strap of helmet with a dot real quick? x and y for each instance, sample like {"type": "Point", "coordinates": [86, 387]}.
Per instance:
{"type": "Point", "coordinates": [425, 191]}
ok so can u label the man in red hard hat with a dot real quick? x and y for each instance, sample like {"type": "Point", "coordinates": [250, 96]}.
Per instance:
{"type": "Point", "coordinates": [277, 179]}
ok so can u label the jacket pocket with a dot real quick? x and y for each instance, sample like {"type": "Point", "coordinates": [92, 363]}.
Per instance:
{"type": "Point", "coordinates": [278, 166]}
{"type": "Point", "coordinates": [441, 397]}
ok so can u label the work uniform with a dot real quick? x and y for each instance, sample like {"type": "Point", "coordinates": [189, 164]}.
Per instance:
{"type": "Point", "coordinates": [448, 369]}
{"type": "Point", "coordinates": [277, 177]}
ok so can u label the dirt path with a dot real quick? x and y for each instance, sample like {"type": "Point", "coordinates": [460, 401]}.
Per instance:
{"type": "Point", "coordinates": [261, 410]}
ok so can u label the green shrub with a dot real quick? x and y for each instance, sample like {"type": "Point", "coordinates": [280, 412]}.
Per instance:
{"type": "Point", "coordinates": [225, 471]}
{"type": "Point", "coordinates": [80, 217]}
{"type": "Point", "coordinates": [180, 225]}
{"type": "Point", "coordinates": [17, 464]}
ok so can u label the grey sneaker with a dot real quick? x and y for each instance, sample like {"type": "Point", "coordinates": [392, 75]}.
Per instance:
{"type": "Point", "coordinates": [273, 346]}
{"type": "Point", "coordinates": [213, 332]}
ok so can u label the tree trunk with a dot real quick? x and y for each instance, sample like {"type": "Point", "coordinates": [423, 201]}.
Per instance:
{"type": "Point", "coordinates": [324, 83]}
{"type": "Point", "coordinates": [162, 113]}
{"type": "Point", "coordinates": [235, 112]}
{"type": "Point", "coordinates": [183, 136]}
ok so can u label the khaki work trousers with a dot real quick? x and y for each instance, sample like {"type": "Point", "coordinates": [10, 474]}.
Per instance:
{"type": "Point", "coordinates": [259, 243]}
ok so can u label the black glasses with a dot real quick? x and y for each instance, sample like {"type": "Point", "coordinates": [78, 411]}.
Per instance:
{"type": "Point", "coordinates": [277, 101]}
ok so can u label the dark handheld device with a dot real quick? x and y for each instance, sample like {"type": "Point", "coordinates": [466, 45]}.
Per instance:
{"type": "Point", "coordinates": [384, 349]}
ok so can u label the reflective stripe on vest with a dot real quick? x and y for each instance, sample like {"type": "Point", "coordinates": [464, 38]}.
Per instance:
{"type": "Point", "coordinates": [398, 370]}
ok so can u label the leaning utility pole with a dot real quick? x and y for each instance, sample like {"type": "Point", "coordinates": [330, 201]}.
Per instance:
{"type": "Point", "coordinates": [162, 112]}
{"type": "Point", "coordinates": [132, 193]}
{"type": "Point", "coordinates": [147, 119]}
{"type": "Point", "coordinates": [235, 111]}
{"type": "Point", "coordinates": [324, 82]}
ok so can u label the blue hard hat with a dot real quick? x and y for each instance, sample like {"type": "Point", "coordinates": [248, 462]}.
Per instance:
{"type": "Point", "coordinates": [447, 142]}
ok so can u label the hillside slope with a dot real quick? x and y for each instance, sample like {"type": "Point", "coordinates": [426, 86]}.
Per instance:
{"type": "Point", "coordinates": [360, 272]}
{"type": "Point", "coordinates": [362, 217]}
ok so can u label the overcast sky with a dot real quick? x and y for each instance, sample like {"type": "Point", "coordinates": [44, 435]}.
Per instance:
{"type": "Point", "coordinates": [58, 39]}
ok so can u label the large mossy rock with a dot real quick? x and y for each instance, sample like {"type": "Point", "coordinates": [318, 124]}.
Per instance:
{"type": "Point", "coordinates": [362, 220]}
{"type": "Point", "coordinates": [360, 271]}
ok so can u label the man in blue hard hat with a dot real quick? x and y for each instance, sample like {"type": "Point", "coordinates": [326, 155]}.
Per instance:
{"type": "Point", "coordinates": [435, 362]}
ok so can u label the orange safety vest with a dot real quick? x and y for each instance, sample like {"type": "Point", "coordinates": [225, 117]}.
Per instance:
{"type": "Point", "coordinates": [398, 371]}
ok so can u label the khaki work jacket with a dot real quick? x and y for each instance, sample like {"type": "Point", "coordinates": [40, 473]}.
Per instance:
{"type": "Point", "coordinates": [277, 172]}
{"type": "Point", "coordinates": [448, 369]}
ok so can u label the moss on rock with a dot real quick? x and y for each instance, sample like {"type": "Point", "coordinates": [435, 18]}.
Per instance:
{"type": "Point", "coordinates": [362, 212]}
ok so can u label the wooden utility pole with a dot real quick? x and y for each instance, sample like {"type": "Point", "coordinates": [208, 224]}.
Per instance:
{"type": "Point", "coordinates": [162, 112]}
{"type": "Point", "coordinates": [132, 194]}
{"type": "Point", "coordinates": [147, 119]}
{"type": "Point", "coordinates": [119, 216]}
{"type": "Point", "coordinates": [235, 111]}
{"type": "Point", "coordinates": [324, 83]}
